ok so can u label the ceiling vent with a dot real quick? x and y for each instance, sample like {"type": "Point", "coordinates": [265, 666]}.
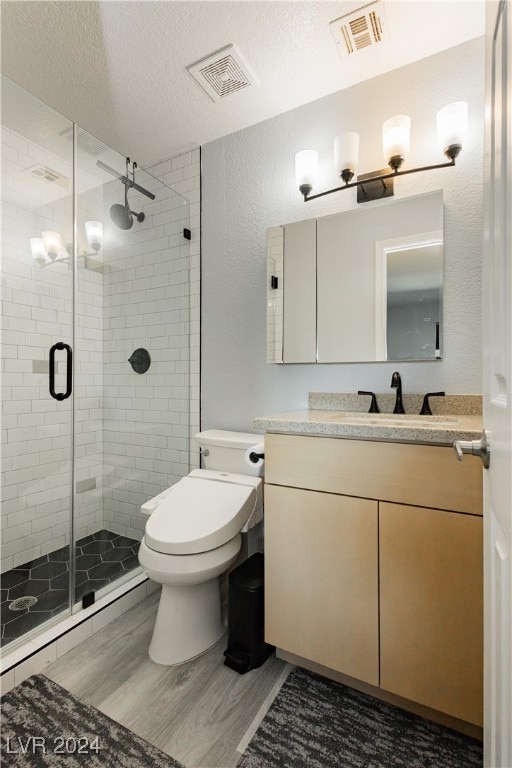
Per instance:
{"type": "Point", "coordinates": [43, 173]}
{"type": "Point", "coordinates": [361, 29]}
{"type": "Point", "coordinates": [223, 73]}
{"type": "Point", "coordinates": [85, 141]}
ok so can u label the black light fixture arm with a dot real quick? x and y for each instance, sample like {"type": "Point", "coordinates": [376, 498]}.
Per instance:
{"type": "Point", "coordinates": [306, 188]}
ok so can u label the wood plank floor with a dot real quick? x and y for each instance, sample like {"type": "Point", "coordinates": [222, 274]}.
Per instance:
{"type": "Point", "coordinates": [198, 712]}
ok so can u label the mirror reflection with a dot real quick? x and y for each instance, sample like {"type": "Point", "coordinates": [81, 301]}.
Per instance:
{"type": "Point", "coordinates": [360, 286]}
{"type": "Point", "coordinates": [410, 277]}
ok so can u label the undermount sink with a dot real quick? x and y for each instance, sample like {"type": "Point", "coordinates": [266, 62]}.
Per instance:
{"type": "Point", "coordinates": [392, 420]}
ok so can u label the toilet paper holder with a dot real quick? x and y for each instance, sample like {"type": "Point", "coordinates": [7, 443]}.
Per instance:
{"type": "Point", "coordinates": [255, 457]}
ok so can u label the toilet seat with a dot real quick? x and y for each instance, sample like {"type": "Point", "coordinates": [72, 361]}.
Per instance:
{"type": "Point", "coordinates": [188, 569]}
{"type": "Point", "coordinates": [201, 513]}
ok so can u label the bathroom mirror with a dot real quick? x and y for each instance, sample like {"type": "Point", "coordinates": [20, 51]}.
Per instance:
{"type": "Point", "coordinates": [359, 286]}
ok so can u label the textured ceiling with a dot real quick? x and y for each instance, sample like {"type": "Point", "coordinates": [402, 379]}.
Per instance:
{"type": "Point", "coordinates": [119, 68]}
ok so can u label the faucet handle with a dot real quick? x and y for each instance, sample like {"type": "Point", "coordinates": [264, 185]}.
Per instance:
{"type": "Point", "coordinates": [374, 408]}
{"type": "Point", "coordinates": [425, 408]}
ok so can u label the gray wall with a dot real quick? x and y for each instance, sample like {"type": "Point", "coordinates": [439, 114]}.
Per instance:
{"type": "Point", "coordinates": [411, 325]}
{"type": "Point", "coordinates": [248, 185]}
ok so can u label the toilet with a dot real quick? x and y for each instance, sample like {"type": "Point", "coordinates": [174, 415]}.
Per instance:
{"type": "Point", "coordinates": [192, 536]}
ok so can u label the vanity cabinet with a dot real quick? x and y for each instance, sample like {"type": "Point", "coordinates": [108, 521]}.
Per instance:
{"type": "Point", "coordinates": [374, 565]}
{"type": "Point", "coordinates": [322, 579]}
{"type": "Point", "coordinates": [431, 608]}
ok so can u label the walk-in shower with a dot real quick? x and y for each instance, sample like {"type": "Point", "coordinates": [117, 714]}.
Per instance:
{"type": "Point", "coordinates": [86, 438]}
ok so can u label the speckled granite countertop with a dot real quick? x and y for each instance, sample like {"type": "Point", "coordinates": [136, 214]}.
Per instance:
{"type": "Point", "coordinates": [463, 423]}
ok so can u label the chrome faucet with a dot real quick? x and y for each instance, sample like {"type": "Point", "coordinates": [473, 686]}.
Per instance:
{"type": "Point", "coordinates": [396, 383]}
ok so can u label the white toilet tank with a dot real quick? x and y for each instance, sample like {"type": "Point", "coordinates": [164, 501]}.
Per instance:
{"type": "Point", "coordinates": [225, 451]}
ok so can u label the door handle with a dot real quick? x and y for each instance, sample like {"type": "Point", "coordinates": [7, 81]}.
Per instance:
{"type": "Point", "coordinates": [69, 371]}
{"type": "Point", "coordinates": [476, 448]}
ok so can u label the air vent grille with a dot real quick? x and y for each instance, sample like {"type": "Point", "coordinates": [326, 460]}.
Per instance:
{"type": "Point", "coordinates": [44, 173]}
{"type": "Point", "coordinates": [223, 73]}
{"type": "Point", "coordinates": [85, 141]}
{"type": "Point", "coordinates": [225, 76]}
{"type": "Point", "coordinates": [360, 29]}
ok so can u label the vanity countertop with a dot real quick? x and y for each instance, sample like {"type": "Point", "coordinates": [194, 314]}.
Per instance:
{"type": "Point", "coordinates": [409, 428]}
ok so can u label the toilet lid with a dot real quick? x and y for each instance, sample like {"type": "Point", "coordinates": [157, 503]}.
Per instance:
{"type": "Point", "coordinates": [199, 515]}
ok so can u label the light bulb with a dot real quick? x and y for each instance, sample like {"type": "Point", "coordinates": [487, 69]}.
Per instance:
{"type": "Point", "coordinates": [306, 170]}
{"type": "Point", "coordinates": [94, 234]}
{"type": "Point", "coordinates": [396, 136]}
{"type": "Point", "coordinates": [346, 155]}
{"type": "Point", "coordinates": [52, 243]}
{"type": "Point", "coordinates": [452, 127]}
{"type": "Point", "coordinates": [38, 250]}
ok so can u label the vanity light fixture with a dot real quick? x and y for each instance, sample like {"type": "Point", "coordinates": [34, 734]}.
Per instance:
{"type": "Point", "coordinates": [38, 250]}
{"type": "Point", "coordinates": [94, 234]}
{"type": "Point", "coordinates": [52, 243]}
{"type": "Point", "coordinates": [48, 249]}
{"type": "Point", "coordinates": [306, 170]}
{"type": "Point", "coordinates": [452, 126]}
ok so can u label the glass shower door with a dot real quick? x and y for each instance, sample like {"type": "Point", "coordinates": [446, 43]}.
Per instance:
{"type": "Point", "coordinates": [131, 359]}
{"type": "Point", "coordinates": [37, 337]}
{"type": "Point", "coordinates": [95, 355]}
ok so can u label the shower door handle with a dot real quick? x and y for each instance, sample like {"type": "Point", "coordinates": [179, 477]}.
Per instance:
{"type": "Point", "coordinates": [69, 371]}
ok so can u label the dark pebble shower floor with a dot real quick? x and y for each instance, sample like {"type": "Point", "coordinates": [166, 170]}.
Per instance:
{"type": "Point", "coordinates": [101, 558]}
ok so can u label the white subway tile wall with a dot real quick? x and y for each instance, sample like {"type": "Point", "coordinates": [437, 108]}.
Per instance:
{"type": "Point", "coordinates": [275, 270]}
{"type": "Point", "coordinates": [88, 381]}
{"type": "Point", "coordinates": [178, 172]}
{"type": "Point", "coordinates": [146, 305]}
{"type": "Point", "coordinates": [36, 430]}
{"type": "Point", "coordinates": [132, 431]}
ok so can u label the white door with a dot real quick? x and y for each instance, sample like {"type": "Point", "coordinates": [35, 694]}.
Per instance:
{"type": "Point", "coordinates": [498, 387]}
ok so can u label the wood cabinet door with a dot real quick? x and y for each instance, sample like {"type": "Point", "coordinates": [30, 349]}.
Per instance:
{"type": "Point", "coordinates": [321, 579]}
{"type": "Point", "coordinates": [431, 608]}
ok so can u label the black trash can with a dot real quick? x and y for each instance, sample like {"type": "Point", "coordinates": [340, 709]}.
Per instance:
{"type": "Point", "coordinates": [247, 648]}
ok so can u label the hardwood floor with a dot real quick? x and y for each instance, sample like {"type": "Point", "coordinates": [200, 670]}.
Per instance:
{"type": "Point", "coordinates": [198, 712]}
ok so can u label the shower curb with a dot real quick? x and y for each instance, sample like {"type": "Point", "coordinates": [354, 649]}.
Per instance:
{"type": "Point", "coordinates": [35, 654]}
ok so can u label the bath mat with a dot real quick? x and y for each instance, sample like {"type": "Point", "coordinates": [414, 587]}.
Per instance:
{"type": "Point", "coordinates": [316, 723]}
{"type": "Point", "coordinates": [45, 725]}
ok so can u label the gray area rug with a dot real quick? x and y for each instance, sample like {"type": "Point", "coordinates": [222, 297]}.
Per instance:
{"type": "Point", "coordinates": [316, 723]}
{"type": "Point", "coordinates": [45, 725]}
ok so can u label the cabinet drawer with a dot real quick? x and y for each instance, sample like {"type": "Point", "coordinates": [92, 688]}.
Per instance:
{"type": "Point", "coordinates": [420, 475]}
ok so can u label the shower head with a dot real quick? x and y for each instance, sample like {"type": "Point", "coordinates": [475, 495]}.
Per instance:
{"type": "Point", "coordinates": [121, 215]}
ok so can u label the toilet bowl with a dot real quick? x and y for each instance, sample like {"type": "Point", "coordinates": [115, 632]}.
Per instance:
{"type": "Point", "coordinates": [188, 621]}
{"type": "Point", "coordinates": [192, 536]}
